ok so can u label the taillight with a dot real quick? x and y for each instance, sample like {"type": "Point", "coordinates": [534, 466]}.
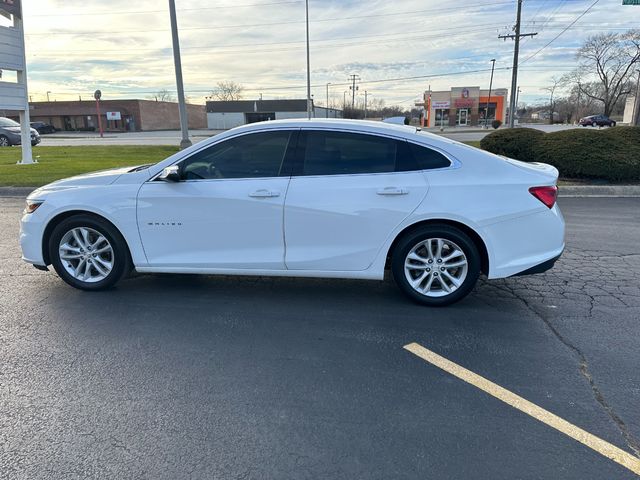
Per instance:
{"type": "Point", "coordinates": [546, 195]}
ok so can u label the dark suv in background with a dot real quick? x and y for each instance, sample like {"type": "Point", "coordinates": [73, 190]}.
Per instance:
{"type": "Point", "coordinates": [10, 133]}
{"type": "Point", "coordinates": [42, 127]}
{"type": "Point", "coordinates": [597, 121]}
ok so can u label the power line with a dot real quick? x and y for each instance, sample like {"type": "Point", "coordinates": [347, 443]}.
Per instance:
{"type": "Point", "coordinates": [137, 12]}
{"type": "Point", "coordinates": [564, 30]}
{"type": "Point", "coordinates": [219, 48]}
{"type": "Point", "coordinates": [217, 27]}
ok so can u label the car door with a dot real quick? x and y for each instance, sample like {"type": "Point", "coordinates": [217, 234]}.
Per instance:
{"type": "Point", "coordinates": [348, 192]}
{"type": "Point", "coordinates": [226, 212]}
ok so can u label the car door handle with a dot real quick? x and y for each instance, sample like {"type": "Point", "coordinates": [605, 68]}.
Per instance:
{"type": "Point", "coordinates": [392, 191]}
{"type": "Point", "coordinates": [264, 193]}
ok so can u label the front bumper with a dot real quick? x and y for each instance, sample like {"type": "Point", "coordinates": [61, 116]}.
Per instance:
{"type": "Point", "coordinates": [31, 230]}
{"type": "Point", "coordinates": [16, 139]}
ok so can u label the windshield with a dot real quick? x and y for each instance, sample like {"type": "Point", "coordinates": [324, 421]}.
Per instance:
{"type": "Point", "coordinates": [6, 122]}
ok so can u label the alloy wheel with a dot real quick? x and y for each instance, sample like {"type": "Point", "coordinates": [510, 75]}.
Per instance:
{"type": "Point", "coordinates": [436, 267]}
{"type": "Point", "coordinates": [4, 141]}
{"type": "Point", "coordinates": [86, 254]}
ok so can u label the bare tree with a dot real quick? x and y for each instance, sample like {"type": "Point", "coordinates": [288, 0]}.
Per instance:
{"type": "Point", "coordinates": [163, 95]}
{"type": "Point", "coordinates": [555, 82]}
{"type": "Point", "coordinates": [612, 57]}
{"type": "Point", "coordinates": [227, 91]}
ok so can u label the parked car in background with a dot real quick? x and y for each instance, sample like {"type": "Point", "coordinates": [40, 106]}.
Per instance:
{"type": "Point", "coordinates": [597, 121]}
{"type": "Point", "coordinates": [321, 198]}
{"type": "Point", "coordinates": [42, 127]}
{"type": "Point", "coordinates": [10, 133]}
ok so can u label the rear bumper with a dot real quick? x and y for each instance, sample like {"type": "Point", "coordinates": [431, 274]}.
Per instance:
{"type": "Point", "coordinates": [525, 244]}
{"type": "Point", "coordinates": [540, 268]}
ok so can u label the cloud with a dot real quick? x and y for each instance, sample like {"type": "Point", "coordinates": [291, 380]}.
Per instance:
{"type": "Point", "coordinates": [125, 46]}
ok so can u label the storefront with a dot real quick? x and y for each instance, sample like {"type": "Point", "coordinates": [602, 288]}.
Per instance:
{"type": "Point", "coordinates": [464, 106]}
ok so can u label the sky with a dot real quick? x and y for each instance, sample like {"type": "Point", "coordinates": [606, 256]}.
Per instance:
{"type": "Point", "coordinates": [124, 48]}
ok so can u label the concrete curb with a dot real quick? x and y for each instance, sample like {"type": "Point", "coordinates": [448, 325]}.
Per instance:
{"type": "Point", "coordinates": [564, 191]}
{"type": "Point", "coordinates": [599, 190]}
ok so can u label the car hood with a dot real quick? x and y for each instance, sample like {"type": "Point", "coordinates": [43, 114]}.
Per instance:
{"type": "Point", "coordinates": [17, 129]}
{"type": "Point", "coordinates": [104, 177]}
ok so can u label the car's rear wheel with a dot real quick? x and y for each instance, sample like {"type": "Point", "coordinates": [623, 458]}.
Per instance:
{"type": "Point", "coordinates": [436, 265]}
{"type": "Point", "coordinates": [4, 141]}
{"type": "Point", "coordinates": [88, 253]}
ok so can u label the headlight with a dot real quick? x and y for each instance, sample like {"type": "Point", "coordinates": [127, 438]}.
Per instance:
{"type": "Point", "coordinates": [32, 205]}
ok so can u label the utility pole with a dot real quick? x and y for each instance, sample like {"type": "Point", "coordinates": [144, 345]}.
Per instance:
{"type": "Point", "coordinates": [365, 104]}
{"type": "Point", "coordinates": [486, 113]}
{"type": "Point", "coordinates": [182, 108]}
{"type": "Point", "coordinates": [353, 88]}
{"type": "Point", "coordinates": [514, 71]}
{"type": "Point", "coordinates": [308, 64]}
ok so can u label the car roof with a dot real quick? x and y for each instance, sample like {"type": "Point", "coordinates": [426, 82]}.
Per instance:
{"type": "Point", "coordinates": [360, 126]}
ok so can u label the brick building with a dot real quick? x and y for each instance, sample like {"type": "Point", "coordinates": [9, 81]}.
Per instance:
{"type": "Point", "coordinates": [117, 115]}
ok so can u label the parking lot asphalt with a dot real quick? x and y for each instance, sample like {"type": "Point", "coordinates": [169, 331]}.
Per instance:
{"type": "Point", "coordinates": [219, 377]}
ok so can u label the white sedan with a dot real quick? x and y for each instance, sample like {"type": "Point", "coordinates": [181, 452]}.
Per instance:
{"type": "Point", "coordinates": [334, 198]}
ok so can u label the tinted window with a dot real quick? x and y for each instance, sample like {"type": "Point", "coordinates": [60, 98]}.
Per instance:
{"type": "Point", "coordinates": [427, 159]}
{"type": "Point", "coordinates": [339, 153]}
{"type": "Point", "coordinates": [248, 156]}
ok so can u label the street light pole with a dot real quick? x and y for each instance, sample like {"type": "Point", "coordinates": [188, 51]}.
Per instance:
{"type": "Point", "coordinates": [486, 113]}
{"type": "Point", "coordinates": [308, 64]}
{"type": "Point", "coordinates": [184, 120]}
{"type": "Point", "coordinates": [365, 104]}
{"type": "Point", "coordinates": [327, 110]}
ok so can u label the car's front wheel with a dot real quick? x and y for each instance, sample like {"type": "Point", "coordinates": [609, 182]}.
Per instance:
{"type": "Point", "coordinates": [436, 265]}
{"type": "Point", "coordinates": [88, 253]}
{"type": "Point", "coordinates": [4, 141]}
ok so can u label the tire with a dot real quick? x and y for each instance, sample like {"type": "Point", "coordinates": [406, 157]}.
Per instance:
{"type": "Point", "coordinates": [612, 124]}
{"type": "Point", "coordinates": [4, 141]}
{"type": "Point", "coordinates": [415, 243]}
{"type": "Point", "coordinates": [104, 264]}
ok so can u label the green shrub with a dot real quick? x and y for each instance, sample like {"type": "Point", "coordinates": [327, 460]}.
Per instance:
{"type": "Point", "coordinates": [518, 143]}
{"type": "Point", "coordinates": [611, 154]}
{"type": "Point", "coordinates": [496, 124]}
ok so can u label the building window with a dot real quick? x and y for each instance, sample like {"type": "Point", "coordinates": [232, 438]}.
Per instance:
{"type": "Point", "coordinates": [482, 112]}
{"type": "Point", "coordinates": [442, 117]}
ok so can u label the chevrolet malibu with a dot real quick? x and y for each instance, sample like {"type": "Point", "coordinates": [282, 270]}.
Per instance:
{"type": "Point", "coordinates": [319, 198]}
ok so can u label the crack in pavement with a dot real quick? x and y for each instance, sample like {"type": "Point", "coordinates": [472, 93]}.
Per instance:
{"type": "Point", "coordinates": [508, 286]}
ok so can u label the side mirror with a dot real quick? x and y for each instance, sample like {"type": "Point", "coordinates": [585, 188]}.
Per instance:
{"type": "Point", "coordinates": [170, 174]}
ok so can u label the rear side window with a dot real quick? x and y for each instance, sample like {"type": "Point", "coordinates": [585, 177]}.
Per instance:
{"type": "Point", "coordinates": [341, 153]}
{"type": "Point", "coordinates": [427, 158]}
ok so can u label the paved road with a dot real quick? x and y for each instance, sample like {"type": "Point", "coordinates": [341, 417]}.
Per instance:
{"type": "Point", "coordinates": [204, 377]}
{"type": "Point", "coordinates": [173, 137]}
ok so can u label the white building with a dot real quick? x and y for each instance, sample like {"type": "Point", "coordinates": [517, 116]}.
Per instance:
{"type": "Point", "coordinates": [222, 115]}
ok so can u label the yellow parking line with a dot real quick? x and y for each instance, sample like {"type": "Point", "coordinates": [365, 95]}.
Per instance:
{"type": "Point", "coordinates": [603, 448]}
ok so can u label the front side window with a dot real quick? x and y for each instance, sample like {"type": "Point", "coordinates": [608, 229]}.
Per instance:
{"type": "Point", "coordinates": [256, 155]}
{"type": "Point", "coordinates": [341, 153]}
